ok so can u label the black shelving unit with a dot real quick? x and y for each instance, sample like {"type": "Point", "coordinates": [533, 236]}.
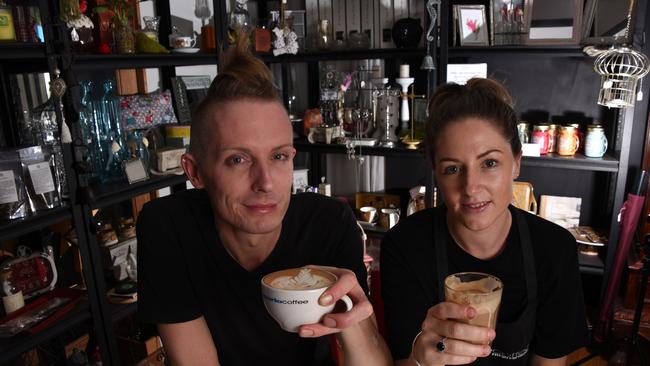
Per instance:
{"type": "Point", "coordinates": [102, 195]}
{"type": "Point", "coordinates": [117, 61]}
{"type": "Point", "coordinates": [121, 311]}
{"type": "Point", "coordinates": [43, 219]}
{"type": "Point", "coordinates": [14, 346]}
{"type": "Point", "coordinates": [351, 54]}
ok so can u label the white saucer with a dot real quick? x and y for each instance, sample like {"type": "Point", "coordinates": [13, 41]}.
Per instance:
{"type": "Point", "coordinates": [186, 50]}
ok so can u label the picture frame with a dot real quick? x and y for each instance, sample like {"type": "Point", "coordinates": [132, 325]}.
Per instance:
{"type": "Point", "coordinates": [472, 26]}
{"type": "Point", "coordinates": [553, 22]}
{"type": "Point", "coordinates": [188, 92]}
{"type": "Point", "coordinates": [508, 22]}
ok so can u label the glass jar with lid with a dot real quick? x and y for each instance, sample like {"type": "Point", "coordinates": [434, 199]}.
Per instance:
{"type": "Point", "coordinates": [540, 137]}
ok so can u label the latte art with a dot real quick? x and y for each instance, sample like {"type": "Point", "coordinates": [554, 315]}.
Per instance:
{"type": "Point", "coordinates": [304, 280]}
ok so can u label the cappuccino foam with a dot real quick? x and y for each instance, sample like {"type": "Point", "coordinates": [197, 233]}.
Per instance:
{"type": "Point", "coordinates": [304, 280]}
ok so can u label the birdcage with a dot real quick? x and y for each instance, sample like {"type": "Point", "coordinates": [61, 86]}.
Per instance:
{"type": "Point", "coordinates": [620, 68]}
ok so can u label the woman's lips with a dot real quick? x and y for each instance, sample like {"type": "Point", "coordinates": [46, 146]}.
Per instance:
{"type": "Point", "coordinates": [476, 207]}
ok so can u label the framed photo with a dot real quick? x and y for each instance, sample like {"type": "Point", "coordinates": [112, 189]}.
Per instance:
{"type": "Point", "coordinates": [300, 180]}
{"type": "Point", "coordinates": [564, 211]}
{"type": "Point", "coordinates": [420, 114]}
{"type": "Point", "coordinates": [472, 27]}
{"type": "Point", "coordinates": [189, 91]}
{"type": "Point", "coordinates": [508, 22]}
{"type": "Point", "coordinates": [552, 22]}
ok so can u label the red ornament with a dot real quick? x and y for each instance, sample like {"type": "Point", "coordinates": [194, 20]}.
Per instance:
{"type": "Point", "coordinates": [104, 49]}
{"type": "Point", "coordinates": [83, 6]}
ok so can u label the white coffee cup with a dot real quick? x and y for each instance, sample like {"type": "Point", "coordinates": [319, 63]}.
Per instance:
{"type": "Point", "coordinates": [183, 42]}
{"type": "Point", "coordinates": [293, 304]}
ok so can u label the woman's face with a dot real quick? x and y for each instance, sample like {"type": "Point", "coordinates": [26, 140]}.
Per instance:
{"type": "Point", "coordinates": [474, 168]}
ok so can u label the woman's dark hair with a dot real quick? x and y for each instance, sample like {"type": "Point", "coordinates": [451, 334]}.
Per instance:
{"type": "Point", "coordinates": [241, 75]}
{"type": "Point", "coordinates": [486, 99]}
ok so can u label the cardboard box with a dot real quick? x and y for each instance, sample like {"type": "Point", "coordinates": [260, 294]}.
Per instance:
{"type": "Point", "coordinates": [168, 158]}
{"type": "Point", "coordinates": [132, 351]}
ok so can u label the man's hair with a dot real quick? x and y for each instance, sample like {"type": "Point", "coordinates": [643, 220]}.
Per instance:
{"type": "Point", "coordinates": [486, 99]}
{"type": "Point", "coordinates": [241, 75]}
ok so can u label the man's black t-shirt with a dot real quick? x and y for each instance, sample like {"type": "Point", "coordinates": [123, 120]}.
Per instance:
{"type": "Point", "coordinates": [409, 282]}
{"type": "Point", "coordinates": [184, 272]}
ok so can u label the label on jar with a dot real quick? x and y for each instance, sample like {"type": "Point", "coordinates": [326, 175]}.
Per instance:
{"type": "Point", "coordinates": [8, 192]}
{"type": "Point", "coordinates": [13, 302]}
{"type": "Point", "coordinates": [41, 177]}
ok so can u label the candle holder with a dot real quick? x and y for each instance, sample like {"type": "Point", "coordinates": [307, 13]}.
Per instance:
{"type": "Point", "coordinates": [404, 111]}
{"type": "Point", "coordinates": [410, 141]}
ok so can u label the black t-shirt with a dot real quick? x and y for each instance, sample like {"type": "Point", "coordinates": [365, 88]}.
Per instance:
{"type": "Point", "coordinates": [409, 287]}
{"type": "Point", "coordinates": [184, 272]}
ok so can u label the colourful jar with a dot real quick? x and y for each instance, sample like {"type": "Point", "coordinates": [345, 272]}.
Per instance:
{"type": "Point", "coordinates": [540, 137]}
{"type": "Point", "coordinates": [568, 141]}
{"type": "Point", "coordinates": [595, 141]}
{"type": "Point", "coordinates": [522, 128]}
{"type": "Point", "coordinates": [7, 30]}
{"type": "Point", "coordinates": [579, 135]}
{"type": "Point", "coordinates": [552, 138]}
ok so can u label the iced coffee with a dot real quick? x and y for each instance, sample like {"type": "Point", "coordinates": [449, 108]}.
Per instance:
{"type": "Point", "coordinates": [479, 290]}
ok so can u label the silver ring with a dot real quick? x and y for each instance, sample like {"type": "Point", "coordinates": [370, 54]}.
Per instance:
{"type": "Point", "coordinates": [440, 346]}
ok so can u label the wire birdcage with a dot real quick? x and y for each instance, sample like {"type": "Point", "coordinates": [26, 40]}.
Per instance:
{"type": "Point", "coordinates": [620, 69]}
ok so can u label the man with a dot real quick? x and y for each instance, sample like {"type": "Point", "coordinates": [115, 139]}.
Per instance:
{"type": "Point", "coordinates": [202, 253]}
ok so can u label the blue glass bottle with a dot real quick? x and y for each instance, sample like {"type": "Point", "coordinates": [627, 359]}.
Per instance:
{"type": "Point", "coordinates": [111, 135]}
{"type": "Point", "coordinates": [89, 130]}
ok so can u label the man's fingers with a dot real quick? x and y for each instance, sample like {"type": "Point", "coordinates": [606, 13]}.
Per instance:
{"type": "Point", "coordinates": [346, 283]}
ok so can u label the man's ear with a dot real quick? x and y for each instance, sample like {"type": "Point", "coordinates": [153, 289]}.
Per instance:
{"type": "Point", "coordinates": [191, 167]}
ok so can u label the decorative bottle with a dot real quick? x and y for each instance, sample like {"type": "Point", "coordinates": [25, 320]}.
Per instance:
{"type": "Point", "coordinates": [12, 296]}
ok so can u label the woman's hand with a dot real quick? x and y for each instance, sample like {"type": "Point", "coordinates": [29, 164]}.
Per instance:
{"type": "Point", "coordinates": [463, 343]}
{"type": "Point", "coordinates": [347, 284]}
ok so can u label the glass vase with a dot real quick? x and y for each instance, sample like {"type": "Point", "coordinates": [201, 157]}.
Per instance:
{"type": "Point", "coordinates": [124, 38]}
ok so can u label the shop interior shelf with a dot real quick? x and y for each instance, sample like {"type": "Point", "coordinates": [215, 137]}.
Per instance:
{"type": "Point", "coordinates": [14, 346]}
{"type": "Point", "coordinates": [577, 161]}
{"type": "Point", "coordinates": [102, 195]}
{"type": "Point", "coordinates": [14, 228]}
{"type": "Point", "coordinates": [349, 54]}
{"type": "Point", "coordinates": [121, 311]}
{"type": "Point", "coordinates": [541, 51]}
{"type": "Point", "coordinates": [130, 61]}
{"type": "Point", "coordinates": [302, 144]}
{"type": "Point", "coordinates": [590, 264]}
{"type": "Point", "coordinates": [21, 51]}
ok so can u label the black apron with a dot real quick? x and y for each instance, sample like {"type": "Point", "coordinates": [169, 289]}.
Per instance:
{"type": "Point", "coordinates": [510, 347]}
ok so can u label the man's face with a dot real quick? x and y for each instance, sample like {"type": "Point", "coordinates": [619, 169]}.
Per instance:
{"type": "Point", "coordinates": [247, 169]}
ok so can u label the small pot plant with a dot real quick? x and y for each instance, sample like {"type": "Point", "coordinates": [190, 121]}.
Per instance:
{"type": "Point", "coordinates": [121, 12]}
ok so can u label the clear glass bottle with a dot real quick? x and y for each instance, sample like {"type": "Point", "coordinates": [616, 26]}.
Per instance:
{"type": "Point", "coordinates": [111, 135]}
{"type": "Point", "coordinates": [12, 296]}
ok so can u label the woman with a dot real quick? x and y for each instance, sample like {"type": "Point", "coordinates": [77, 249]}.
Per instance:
{"type": "Point", "coordinates": [476, 154]}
